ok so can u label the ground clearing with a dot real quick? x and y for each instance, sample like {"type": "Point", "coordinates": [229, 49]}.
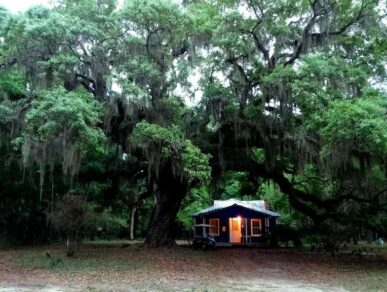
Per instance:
{"type": "Point", "coordinates": [108, 267]}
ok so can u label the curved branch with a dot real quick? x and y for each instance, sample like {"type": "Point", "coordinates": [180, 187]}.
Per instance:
{"type": "Point", "coordinates": [299, 43]}
{"type": "Point", "coordinates": [309, 179]}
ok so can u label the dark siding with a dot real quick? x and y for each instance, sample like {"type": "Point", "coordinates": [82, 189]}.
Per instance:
{"type": "Point", "coordinates": [235, 211]}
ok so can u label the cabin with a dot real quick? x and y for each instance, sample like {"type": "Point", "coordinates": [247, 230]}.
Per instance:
{"type": "Point", "coordinates": [235, 222]}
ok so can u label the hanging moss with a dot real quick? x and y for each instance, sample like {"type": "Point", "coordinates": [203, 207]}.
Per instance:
{"type": "Point", "coordinates": [61, 126]}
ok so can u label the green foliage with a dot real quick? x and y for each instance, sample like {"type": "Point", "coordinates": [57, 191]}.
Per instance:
{"type": "Point", "coordinates": [5, 16]}
{"type": "Point", "coordinates": [279, 202]}
{"type": "Point", "coordinates": [73, 115]}
{"type": "Point", "coordinates": [153, 14]}
{"type": "Point", "coordinates": [78, 219]}
{"type": "Point", "coordinates": [234, 184]}
{"type": "Point", "coordinates": [205, 17]}
{"type": "Point", "coordinates": [195, 163]}
{"type": "Point", "coordinates": [5, 113]}
{"type": "Point", "coordinates": [259, 154]}
{"type": "Point", "coordinates": [170, 139]}
{"type": "Point", "coordinates": [71, 216]}
{"type": "Point", "coordinates": [293, 91]}
{"type": "Point", "coordinates": [12, 84]}
{"type": "Point", "coordinates": [108, 225]}
{"type": "Point", "coordinates": [196, 199]}
{"type": "Point", "coordinates": [161, 144]}
{"type": "Point", "coordinates": [61, 125]}
{"type": "Point", "coordinates": [317, 83]}
{"type": "Point", "coordinates": [58, 264]}
{"type": "Point", "coordinates": [363, 122]}
{"type": "Point", "coordinates": [279, 75]}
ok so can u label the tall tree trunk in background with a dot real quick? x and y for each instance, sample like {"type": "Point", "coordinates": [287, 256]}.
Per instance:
{"type": "Point", "coordinates": [132, 219]}
{"type": "Point", "coordinates": [136, 205]}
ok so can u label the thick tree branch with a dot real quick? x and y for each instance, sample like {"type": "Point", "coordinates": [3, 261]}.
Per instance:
{"type": "Point", "coordinates": [8, 64]}
{"type": "Point", "coordinates": [148, 46]}
{"type": "Point", "coordinates": [88, 83]}
{"type": "Point", "coordinates": [300, 43]}
{"type": "Point", "coordinates": [258, 43]}
{"type": "Point", "coordinates": [310, 179]}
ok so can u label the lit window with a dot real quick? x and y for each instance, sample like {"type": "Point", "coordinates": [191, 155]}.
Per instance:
{"type": "Point", "coordinates": [256, 227]}
{"type": "Point", "coordinates": [214, 228]}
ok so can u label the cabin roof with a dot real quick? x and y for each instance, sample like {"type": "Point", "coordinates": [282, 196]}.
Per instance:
{"type": "Point", "coordinates": [255, 205]}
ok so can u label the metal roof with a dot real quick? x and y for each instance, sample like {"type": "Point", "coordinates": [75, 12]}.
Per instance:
{"type": "Point", "coordinates": [256, 205]}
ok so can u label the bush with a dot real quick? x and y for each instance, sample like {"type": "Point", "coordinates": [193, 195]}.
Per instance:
{"type": "Point", "coordinates": [108, 225]}
{"type": "Point", "coordinates": [72, 215]}
{"type": "Point", "coordinates": [78, 219]}
{"type": "Point", "coordinates": [287, 234]}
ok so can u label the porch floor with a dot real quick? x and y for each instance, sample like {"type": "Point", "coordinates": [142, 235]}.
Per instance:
{"type": "Point", "coordinates": [222, 244]}
{"type": "Point", "coordinates": [228, 244]}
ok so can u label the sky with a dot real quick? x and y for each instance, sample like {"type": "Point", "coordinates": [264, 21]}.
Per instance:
{"type": "Point", "coordinates": [21, 5]}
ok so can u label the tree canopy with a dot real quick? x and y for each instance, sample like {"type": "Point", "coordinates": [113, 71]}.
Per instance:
{"type": "Point", "coordinates": [100, 96]}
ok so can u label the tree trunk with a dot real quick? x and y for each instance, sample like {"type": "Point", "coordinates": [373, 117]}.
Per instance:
{"type": "Point", "coordinates": [171, 191]}
{"type": "Point", "coordinates": [70, 247]}
{"type": "Point", "coordinates": [163, 227]}
{"type": "Point", "coordinates": [132, 218]}
{"type": "Point", "coordinates": [136, 205]}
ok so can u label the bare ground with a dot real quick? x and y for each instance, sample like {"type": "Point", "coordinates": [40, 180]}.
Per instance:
{"type": "Point", "coordinates": [112, 268]}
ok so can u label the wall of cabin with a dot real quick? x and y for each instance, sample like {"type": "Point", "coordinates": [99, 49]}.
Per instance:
{"type": "Point", "coordinates": [236, 211]}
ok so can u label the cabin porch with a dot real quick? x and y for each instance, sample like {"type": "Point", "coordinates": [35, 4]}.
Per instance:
{"type": "Point", "coordinates": [227, 231]}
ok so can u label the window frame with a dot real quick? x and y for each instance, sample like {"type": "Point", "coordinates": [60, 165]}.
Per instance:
{"type": "Point", "coordinates": [217, 231]}
{"type": "Point", "coordinates": [252, 229]}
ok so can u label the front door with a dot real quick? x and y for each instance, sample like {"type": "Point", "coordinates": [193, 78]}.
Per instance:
{"type": "Point", "coordinates": [235, 230]}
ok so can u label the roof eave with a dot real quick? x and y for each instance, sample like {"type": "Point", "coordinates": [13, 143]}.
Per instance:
{"type": "Point", "coordinates": [266, 212]}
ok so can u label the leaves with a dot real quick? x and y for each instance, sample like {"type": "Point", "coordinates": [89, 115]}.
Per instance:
{"type": "Point", "coordinates": [362, 121]}
{"type": "Point", "coordinates": [62, 125]}
{"type": "Point", "coordinates": [292, 92]}
{"type": "Point", "coordinates": [59, 114]}
{"type": "Point", "coordinates": [162, 144]}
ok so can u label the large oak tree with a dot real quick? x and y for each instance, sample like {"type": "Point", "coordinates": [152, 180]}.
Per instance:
{"type": "Point", "coordinates": [293, 93]}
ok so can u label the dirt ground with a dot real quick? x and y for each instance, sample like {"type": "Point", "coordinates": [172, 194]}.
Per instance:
{"type": "Point", "coordinates": [135, 268]}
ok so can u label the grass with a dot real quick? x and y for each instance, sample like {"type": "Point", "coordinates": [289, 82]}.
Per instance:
{"type": "Point", "coordinates": [57, 262]}
{"type": "Point", "coordinates": [61, 264]}
{"type": "Point", "coordinates": [111, 243]}
{"type": "Point", "coordinates": [378, 249]}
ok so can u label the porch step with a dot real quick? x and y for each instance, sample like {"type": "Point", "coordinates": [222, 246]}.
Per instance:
{"type": "Point", "coordinates": [222, 244]}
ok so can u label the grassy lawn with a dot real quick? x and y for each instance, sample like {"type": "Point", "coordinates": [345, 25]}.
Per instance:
{"type": "Point", "coordinates": [105, 265]}
{"type": "Point", "coordinates": [61, 264]}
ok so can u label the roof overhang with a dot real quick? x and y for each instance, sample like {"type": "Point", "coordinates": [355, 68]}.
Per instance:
{"type": "Point", "coordinates": [214, 209]}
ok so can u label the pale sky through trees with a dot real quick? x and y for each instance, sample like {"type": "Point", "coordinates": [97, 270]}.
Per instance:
{"type": "Point", "coordinates": [21, 5]}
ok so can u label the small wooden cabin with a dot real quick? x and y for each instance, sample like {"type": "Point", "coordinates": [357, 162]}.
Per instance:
{"type": "Point", "coordinates": [236, 222]}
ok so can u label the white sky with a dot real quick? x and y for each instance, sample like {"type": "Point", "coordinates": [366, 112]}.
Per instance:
{"type": "Point", "coordinates": [21, 5]}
